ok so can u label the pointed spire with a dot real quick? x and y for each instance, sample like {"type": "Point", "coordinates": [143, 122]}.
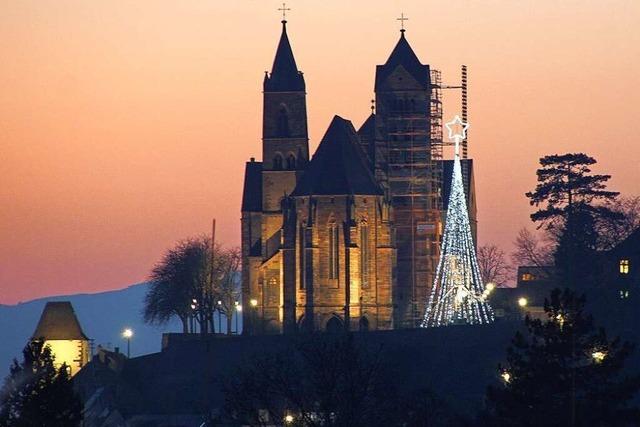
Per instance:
{"type": "Point", "coordinates": [285, 76]}
{"type": "Point", "coordinates": [403, 54]}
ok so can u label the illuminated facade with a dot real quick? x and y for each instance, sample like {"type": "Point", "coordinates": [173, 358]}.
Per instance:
{"type": "Point", "coordinates": [350, 238]}
{"type": "Point", "coordinates": [60, 329]}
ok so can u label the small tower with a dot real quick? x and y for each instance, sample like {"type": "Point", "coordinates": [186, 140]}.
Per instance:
{"type": "Point", "coordinates": [60, 329]}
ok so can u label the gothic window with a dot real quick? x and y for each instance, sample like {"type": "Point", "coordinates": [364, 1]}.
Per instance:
{"type": "Point", "coordinates": [334, 250]}
{"type": "Point", "coordinates": [364, 254]}
{"type": "Point", "coordinates": [302, 256]}
{"type": "Point", "coordinates": [283, 123]}
{"type": "Point", "coordinates": [277, 162]}
{"type": "Point", "coordinates": [624, 266]}
{"type": "Point", "coordinates": [291, 162]}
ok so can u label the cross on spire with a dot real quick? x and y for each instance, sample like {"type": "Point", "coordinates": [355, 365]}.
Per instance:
{"type": "Point", "coordinates": [402, 19]}
{"type": "Point", "coordinates": [284, 10]}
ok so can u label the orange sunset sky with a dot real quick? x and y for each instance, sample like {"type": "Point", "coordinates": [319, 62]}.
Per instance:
{"type": "Point", "coordinates": [125, 125]}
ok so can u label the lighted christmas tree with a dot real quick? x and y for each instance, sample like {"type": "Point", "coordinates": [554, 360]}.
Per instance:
{"type": "Point", "coordinates": [458, 295]}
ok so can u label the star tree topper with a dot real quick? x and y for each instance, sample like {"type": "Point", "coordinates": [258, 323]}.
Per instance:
{"type": "Point", "coordinates": [457, 131]}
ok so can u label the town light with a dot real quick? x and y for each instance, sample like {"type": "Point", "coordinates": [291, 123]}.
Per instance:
{"type": "Point", "coordinates": [506, 376]}
{"type": "Point", "coordinates": [253, 302]}
{"type": "Point", "coordinates": [239, 307]}
{"type": "Point", "coordinates": [598, 356]}
{"type": "Point", "coordinates": [490, 286]}
{"type": "Point", "coordinates": [288, 418]}
{"type": "Point", "coordinates": [127, 334]}
{"type": "Point", "coordinates": [522, 302]}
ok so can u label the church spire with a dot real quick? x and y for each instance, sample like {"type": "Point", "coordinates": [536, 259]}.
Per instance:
{"type": "Point", "coordinates": [284, 76]}
{"type": "Point", "coordinates": [403, 55]}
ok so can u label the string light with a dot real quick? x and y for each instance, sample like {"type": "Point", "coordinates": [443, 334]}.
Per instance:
{"type": "Point", "coordinates": [458, 294]}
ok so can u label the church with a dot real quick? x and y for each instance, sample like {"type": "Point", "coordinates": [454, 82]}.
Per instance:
{"type": "Point", "coordinates": [349, 238]}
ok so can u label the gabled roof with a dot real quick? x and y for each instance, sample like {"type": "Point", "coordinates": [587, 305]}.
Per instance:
{"type": "Point", "coordinates": [368, 128]}
{"type": "Point", "coordinates": [403, 55]}
{"type": "Point", "coordinates": [285, 76]}
{"type": "Point", "coordinates": [59, 322]}
{"type": "Point", "coordinates": [339, 166]}
{"type": "Point", "coordinates": [252, 192]}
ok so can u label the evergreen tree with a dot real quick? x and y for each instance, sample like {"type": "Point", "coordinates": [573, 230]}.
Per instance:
{"type": "Point", "coordinates": [37, 394]}
{"type": "Point", "coordinates": [572, 203]}
{"type": "Point", "coordinates": [564, 372]}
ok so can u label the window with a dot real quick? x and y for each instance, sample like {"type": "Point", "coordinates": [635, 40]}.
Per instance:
{"type": "Point", "coordinates": [291, 162]}
{"type": "Point", "coordinates": [527, 277]}
{"type": "Point", "coordinates": [303, 254]}
{"type": "Point", "coordinates": [277, 162]}
{"type": "Point", "coordinates": [364, 254]}
{"type": "Point", "coordinates": [334, 248]}
{"type": "Point", "coordinates": [283, 123]}
{"type": "Point", "coordinates": [624, 266]}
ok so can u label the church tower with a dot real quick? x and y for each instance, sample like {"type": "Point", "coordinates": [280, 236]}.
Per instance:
{"type": "Point", "coordinates": [285, 155]}
{"type": "Point", "coordinates": [403, 166]}
{"type": "Point", "coordinates": [285, 141]}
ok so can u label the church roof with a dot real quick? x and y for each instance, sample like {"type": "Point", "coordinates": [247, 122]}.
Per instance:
{"type": "Point", "coordinates": [403, 55]}
{"type": "Point", "coordinates": [284, 76]}
{"type": "Point", "coordinates": [59, 322]}
{"type": "Point", "coordinates": [339, 165]}
{"type": "Point", "coordinates": [368, 128]}
{"type": "Point", "coordinates": [252, 192]}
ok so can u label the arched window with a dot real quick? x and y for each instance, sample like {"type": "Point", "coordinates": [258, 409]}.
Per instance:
{"type": "Point", "coordinates": [364, 324]}
{"type": "Point", "coordinates": [291, 161]}
{"type": "Point", "coordinates": [302, 256]}
{"type": "Point", "coordinates": [334, 250]}
{"type": "Point", "coordinates": [364, 254]}
{"type": "Point", "coordinates": [283, 123]}
{"type": "Point", "coordinates": [334, 325]}
{"type": "Point", "coordinates": [277, 162]}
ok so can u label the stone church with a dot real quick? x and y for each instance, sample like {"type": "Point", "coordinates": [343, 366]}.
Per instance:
{"type": "Point", "coordinates": [348, 238]}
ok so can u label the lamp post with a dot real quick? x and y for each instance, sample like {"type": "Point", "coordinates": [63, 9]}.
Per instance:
{"type": "Point", "coordinates": [219, 316]}
{"type": "Point", "coordinates": [254, 307]}
{"type": "Point", "coordinates": [238, 311]}
{"type": "Point", "coordinates": [127, 334]}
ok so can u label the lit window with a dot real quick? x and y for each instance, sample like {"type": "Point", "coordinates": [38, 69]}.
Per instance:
{"type": "Point", "coordinates": [624, 294]}
{"type": "Point", "coordinates": [334, 242]}
{"type": "Point", "coordinates": [624, 266]}
{"type": "Point", "coordinates": [527, 277]}
{"type": "Point", "coordinates": [364, 254]}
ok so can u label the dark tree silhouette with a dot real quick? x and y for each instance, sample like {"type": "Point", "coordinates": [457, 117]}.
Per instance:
{"type": "Point", "coordinates": [188, 283]}
{"type": "Point", "coordinates": [37, 394]}
{"type": "Point", "coordinates": [564, 372]}
{"type": "Point", "coordinates": [327, 380]}
{"type": "Point", "coordinates": [571, 204]}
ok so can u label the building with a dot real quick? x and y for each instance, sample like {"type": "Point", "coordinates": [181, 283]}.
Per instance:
{"type": "Point", "coordinates": [350, 238]}
{"type": "Point", "coordinates": [60, 329]}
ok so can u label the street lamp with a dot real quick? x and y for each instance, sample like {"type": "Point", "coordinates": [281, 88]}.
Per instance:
{"type": "Point", "coordinates": [506, 376]}
{"type": "Point", "coordinates": [522, 302]}
{"type": "Point", "coordinates": [288, 418]}
{"type": "Point", "coordinates": [253, 302]}
{"type": "Point", "coordinates": [238, 311]}
{"type": "Point", "coordinates": [598, 356]}
{"type": "Point", "coordinates": [127, 334]}
{"type": "Point", "coordinates": [219, 316]}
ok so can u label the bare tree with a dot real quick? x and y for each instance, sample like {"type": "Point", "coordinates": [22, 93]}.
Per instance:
{"type": "Point", "coordinates": [532, 250]}
{"type": "Point", "coordinates": [189, 282]}
{"type": "Point", "coordinates": [226, 289]}
{"type": "Point", "coordinates": [493, 265]}
{"type": "Point", "coordinates": [612, 233]}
